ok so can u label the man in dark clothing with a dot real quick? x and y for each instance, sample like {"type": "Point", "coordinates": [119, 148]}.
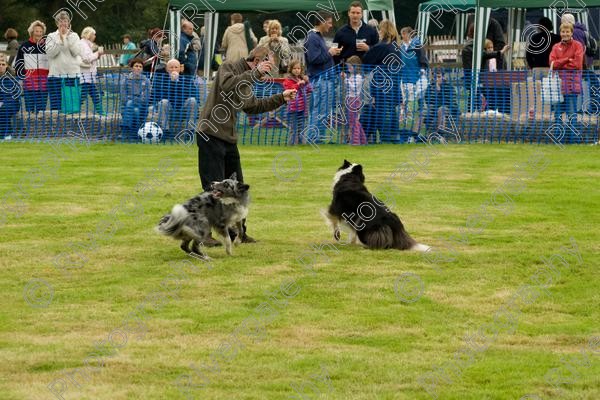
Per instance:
{"type": "Point", "coordinates": [356, 37]}
{"type": "Point", "coordinates": [231, 92]}
{"type": "Point", "coordinates": [540, 45]}
{"type": "Point", "coordinates": [495, 33]}
{"type": "Point", "coordinates": [318, 57]}
{"type": "Point", "coordinates": [187, 54]}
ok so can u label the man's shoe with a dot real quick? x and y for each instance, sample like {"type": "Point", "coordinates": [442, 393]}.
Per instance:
{"type": "Point", "coordinates": [211, 242]}
{"type": "Point", "coordinates": [248, 239]}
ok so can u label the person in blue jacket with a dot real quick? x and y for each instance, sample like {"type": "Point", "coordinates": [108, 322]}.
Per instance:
{"type": "Point", "coordinates": [319, 65]}
{"type": "Point", "coordinates": [356, 37]}
{"type": "Point", "coordinates": [187, 53]}
{"type": "Point", "coordinates": [134, 95]}
{"type": "Point", "coordinates": [10, 98]}
{"type": "Point", "coordinates": [415, 66]}
{"type": "Point", "coordinates": [385, 59]}
{"type": "Point", "coordinates": [173, 96]}
{"type": "Point", "coordinates": [413, 56]}
{"type": "Point", "coordinates": [127, 45]}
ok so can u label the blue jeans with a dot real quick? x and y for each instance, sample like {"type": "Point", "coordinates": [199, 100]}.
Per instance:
{"type": "Point", "coordinates": [569, 125]}
{"type": "Point", "coordinates": [7, 112]}
{"type": "Point", "coordinates": [387, 119]}
{"type": "Point", "coordinates": [91, 90]}
{"type": "Point", "coordinates": [296, 126]}
{"type": "Point", "coordinates": [320, 108]}
{"type": "Point", "coordinates": [35, 100]}
{"type": "Point", "coordinates": [134, 116]}
{"type": "Point", "coordinates": [54, 92]}
{"type": "Point", "coordinates": [568, 106]}
{"type": "Point", "coordinates": [163, 113]}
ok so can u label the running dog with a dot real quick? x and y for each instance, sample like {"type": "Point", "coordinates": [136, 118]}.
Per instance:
{"type": "Point", "coordinates": [222, 209]}
{"type": "Point", "coordinates": [369, 220]}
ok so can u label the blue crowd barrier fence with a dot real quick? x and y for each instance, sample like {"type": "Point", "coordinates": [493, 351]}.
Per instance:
{"type": "Point", "coordinates": [356, 105]}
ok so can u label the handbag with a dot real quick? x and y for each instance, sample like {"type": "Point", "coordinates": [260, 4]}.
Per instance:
{"type": "Point", "coordinates": [70, 95]}
{"type": "Point", "coordinates": [551, 88]}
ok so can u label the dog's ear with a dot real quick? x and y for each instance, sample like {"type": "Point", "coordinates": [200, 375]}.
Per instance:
{"type": "Point", "coordinates": [233, 176]}
{"type": "Point", "coordinates": [358, 171]}
{"type": "Point", "coordinates": [243, 187]}
{"type": "Point", "coordinates": [346, 164]}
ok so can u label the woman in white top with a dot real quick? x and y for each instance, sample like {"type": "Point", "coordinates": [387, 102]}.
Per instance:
{"type": "Point", "coordinates": [63, 51]}
{"type": "Point", "coordinates": [279, 46]}
{"type": "Point", "coordinates": [90, 53]}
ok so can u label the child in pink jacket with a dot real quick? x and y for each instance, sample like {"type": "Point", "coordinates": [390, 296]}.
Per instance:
{"type": "Point", "coordinates": [297, 108]}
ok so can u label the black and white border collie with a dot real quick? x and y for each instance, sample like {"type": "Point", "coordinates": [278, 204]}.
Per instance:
{"type": "Point", "coordinates": [368, 219]}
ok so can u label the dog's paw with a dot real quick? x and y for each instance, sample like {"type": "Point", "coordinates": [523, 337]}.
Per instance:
{"type": "Point", "coordinates": [337, 235]}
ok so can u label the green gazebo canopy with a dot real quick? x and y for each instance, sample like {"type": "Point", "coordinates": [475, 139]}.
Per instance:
{"type": "Point", "coordinates": [534, 3]}
{"type": "Point", "coordinates": [278, 5]}
{"type": "Point", "coordinates": [447, 5]}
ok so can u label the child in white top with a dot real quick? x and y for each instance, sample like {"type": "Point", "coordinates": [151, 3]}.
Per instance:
{"type": "Point", "coordinates": [354, 87]}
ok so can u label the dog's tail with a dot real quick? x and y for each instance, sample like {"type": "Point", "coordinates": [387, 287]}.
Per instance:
{"type": "Point", "coordinates": [381, 238]}
{"type": "Point", "coordinates": [403, 241]}
{"type": "Point", "coordinates": [172, 223]}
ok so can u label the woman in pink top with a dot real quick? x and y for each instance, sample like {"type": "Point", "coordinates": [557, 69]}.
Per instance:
{"type": "Point", "coordinates": [90, 53]}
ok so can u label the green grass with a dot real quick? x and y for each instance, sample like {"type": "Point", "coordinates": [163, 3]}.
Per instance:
{"type": "Point", "coordinates": [346, 316]}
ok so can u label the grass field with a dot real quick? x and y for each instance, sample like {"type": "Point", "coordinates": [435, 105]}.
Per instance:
{"type": "Point", "coordinates": [350, 324]}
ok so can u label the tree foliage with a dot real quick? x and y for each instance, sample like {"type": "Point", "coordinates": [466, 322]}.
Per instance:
{"type": "Point", "coordinates": [113, 18]}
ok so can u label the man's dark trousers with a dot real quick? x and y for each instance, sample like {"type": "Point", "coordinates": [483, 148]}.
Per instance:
{"type": "Point", "coordinates": [217, 160]}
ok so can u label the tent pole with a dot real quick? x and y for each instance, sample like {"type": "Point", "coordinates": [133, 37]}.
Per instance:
{"type": "Point", "coordinates": [482, 16]}
{"type": "Point", "coordinates": [215, 30]}
{"type": "Point", "coordinates": [207, 43]}
{"type": "Point", "coordinates": [171, 27]}
{"type": "Point", "coordinates": [174, 32]}
{"type": "Point", "coordinates": [511, 34]}
{"type": "Point", "coordinates": [584, 19]}
{"type": "Point", "coordinates": [457, 24]}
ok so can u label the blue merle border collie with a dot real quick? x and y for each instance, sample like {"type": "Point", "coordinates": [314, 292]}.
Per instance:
{"type": "Point", "coordinates": [368, 219]}
{"type": "Point", "coordinates": [223, 209]}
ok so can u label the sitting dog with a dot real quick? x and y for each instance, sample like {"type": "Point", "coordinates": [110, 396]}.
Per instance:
{"type": "Point", "coordinates": [367, 217]}
{"type": "Point", "coordinates": [223, 209]}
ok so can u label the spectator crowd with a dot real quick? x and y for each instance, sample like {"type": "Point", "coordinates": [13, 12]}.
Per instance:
{"type": "Point", "coordinates": [382, 74]}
